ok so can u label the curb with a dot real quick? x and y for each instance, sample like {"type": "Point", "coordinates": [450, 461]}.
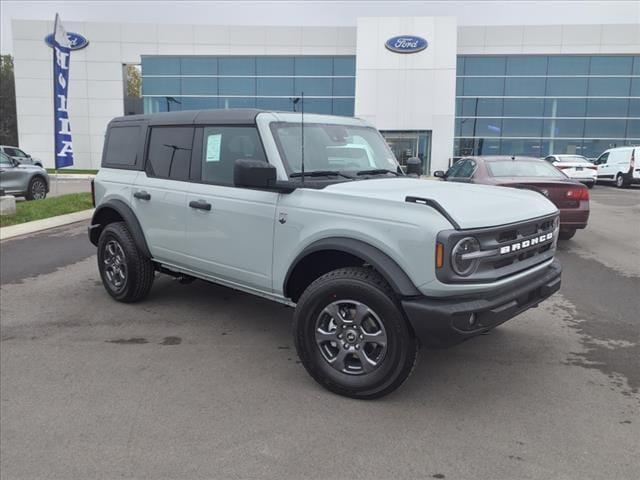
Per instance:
{"type": "Point", "coordinates": [44, 224]}
{"type": "Point", "coordinates": [71, 176]}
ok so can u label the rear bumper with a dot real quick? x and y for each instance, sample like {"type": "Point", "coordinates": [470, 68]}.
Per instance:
{"type": "Point", "coordinates": [577, 218]}
{"type": "Point", "coordinates": [445, 322]}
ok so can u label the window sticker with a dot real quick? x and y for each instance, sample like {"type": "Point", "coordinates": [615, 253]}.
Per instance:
{"type": "Point", "coordinates": [213, 147]}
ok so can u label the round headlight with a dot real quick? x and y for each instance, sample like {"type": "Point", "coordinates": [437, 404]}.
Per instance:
{"type": "Point", "coordinates": [465, 266]}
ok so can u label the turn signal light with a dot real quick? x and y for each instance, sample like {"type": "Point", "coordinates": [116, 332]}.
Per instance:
{"type": "Point", "coordinates": [580, 193]}
{"type": "Point", "coordinates": [439, 255]}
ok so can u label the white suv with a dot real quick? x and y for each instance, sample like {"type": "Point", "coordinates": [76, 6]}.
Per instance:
{"type": "Point", "coordinates": [374, 262]}
{"type": "Point", "coordinates": [619, 165]}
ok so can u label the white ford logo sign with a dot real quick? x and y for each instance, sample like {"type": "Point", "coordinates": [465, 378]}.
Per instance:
{"type": "Point", "coordinates": [406, 44]}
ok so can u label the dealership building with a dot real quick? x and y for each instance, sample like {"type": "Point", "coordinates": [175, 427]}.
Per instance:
{"type": "Point", "coordinates": [515, 89]}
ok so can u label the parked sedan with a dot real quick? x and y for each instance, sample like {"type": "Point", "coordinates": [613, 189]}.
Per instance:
{"type": "Point", "coordinates": [570, 196]}
{"type": "Point", "coordinates": [20, 155]}
{"type": "Point", "coordinates": [29, 181]}
{"type": "Point", "coordinates": [576, 167]}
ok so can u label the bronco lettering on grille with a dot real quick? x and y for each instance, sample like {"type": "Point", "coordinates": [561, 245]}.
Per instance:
{"type": "Point", "coordinates": [532, 242]}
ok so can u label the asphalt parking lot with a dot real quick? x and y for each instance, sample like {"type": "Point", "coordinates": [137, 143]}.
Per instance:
{"type": "Point", "coordinates": [200, 381]}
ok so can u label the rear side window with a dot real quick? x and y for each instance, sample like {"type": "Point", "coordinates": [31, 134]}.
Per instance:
{"type": "Point", "coordinates": [122, 147]}
{"type": "Point", "coordinates": [222, 146]}
{"type": "Point", "coordinates": [169, 152]}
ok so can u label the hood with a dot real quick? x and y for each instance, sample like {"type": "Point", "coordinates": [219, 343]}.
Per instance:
{"type": "Point", "coordinates": [29, 166]}
{"type": "Point", "coordinates": [471, 206]}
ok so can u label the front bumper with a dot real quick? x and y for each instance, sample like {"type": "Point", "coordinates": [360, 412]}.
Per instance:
{"type": "Point", "coordinates": [445, 322]}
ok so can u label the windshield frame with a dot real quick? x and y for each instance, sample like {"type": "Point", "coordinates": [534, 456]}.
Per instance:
{"type": "Point", "coordinates": [273, 128]}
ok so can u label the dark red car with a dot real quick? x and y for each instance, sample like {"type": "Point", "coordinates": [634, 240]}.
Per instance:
{"type": "Point", "coordinates": [570, 196]}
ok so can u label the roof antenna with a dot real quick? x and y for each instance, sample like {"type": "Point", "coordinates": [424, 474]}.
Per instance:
{"type": "Point", "coordinates": [302, 135]}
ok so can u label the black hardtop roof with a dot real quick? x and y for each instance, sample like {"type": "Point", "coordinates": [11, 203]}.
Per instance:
{"type": "Point", "coordinates": [231, 116]}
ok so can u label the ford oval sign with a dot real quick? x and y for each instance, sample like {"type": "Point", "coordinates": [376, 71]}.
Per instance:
{"type": "Point", "coordinates": [406, 44]}
{"type": "Point", "coordinates": [77, 41]}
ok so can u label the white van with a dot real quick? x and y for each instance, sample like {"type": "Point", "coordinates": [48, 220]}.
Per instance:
{"type": "Point", "coordinates": [619, 165]}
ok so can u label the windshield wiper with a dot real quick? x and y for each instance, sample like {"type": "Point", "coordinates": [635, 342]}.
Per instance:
{"type": "Point", "coordinates": [321, 173]}
{"type": "Point", "coordinates": [377, 171]}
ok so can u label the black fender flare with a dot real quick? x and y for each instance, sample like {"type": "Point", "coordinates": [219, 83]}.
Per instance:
{"type": "Point", "coordinates": [385, 265]}
{"type": "Point", "coordinates": [127, 215]}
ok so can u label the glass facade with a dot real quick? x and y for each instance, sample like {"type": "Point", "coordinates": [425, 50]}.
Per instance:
{"type": "Point", "coordinates": [172, 83]}
{"type": "Point", "coordinates": [544, 104]}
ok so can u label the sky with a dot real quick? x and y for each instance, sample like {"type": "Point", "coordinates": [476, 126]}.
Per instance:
{"type": "Point", "coordinates": [312, 12]}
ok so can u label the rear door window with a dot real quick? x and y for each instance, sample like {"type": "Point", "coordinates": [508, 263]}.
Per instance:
{"type": "Point", "coordinates": [169, 152]}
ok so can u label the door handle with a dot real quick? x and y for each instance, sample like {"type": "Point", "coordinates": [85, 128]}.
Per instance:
{"type": "Point", "coordinates": [142, 195]}
{"type": "Point", "coordinates": [200, 205]}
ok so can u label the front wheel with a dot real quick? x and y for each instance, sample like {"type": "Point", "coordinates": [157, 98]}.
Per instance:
{"type": "Point", "coordinates": [37, 189]}
{"type": "Point", "coordinates": [351, 334]}
{"type": "Point", "coordinates": [591, 185]}
{"type": "Point", "coordinates": [567, 234]}
{"type": "Point", "coordinates": [126, 273]}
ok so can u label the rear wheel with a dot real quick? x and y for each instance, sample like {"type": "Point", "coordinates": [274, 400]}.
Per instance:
{"type": "Point", "coordinates": [351, 334]}
{"type": "Point", "coordinates": [591, 185]}
{"type": "Point", "coordinates": [37, 189]}
{"type": "Point", "coordinates": [567, 234]}
{"type": "Point", "coordinates": [621, 181]}
{"type": "Point", "coordinates": [126, 273]}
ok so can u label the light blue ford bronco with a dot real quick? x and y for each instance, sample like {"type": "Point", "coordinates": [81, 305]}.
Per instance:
{"type": "Point", "coordinates": [317, 214]}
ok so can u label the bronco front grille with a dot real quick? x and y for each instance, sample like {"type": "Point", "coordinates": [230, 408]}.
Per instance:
{"type": "Point", "coordinates": [504, 251]}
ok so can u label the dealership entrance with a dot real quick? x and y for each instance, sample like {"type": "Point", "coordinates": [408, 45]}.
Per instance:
{"type": "Point", "coordinates": [407, 144]}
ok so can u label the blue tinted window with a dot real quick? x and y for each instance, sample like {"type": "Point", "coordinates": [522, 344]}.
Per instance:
{"type": "Point", "coordinates": [482, 107]}
{"type": "Point", "coordinates": [237, 85]}
{"type": "Point", "coordinates": [279, 104]}
{"type": "Point", "coordinates": [633, 129]}
{"type": "Point", "coordinates": [318, 105]}
{"type": "Point", "coordinates": [527, 147]}
{"type": "Point", "coordinates": [161, 86]}
{"type": "Point", "coordinates": [634, 107]}
{"type": "Point", "coordinates": [314, 66]}
{"type": "Point", "coordinates": [236, 102]}
{"type": "Point", "coordinates": [524, 86]}
{"type": "Point", "coordinates": [344, 66]}
{"type": "Point", "coordinates": [344, 87]}
{"type": "Point", "coordinates": [607, 107]}
{"type": "Point", "coordinates": [459, 65]}
{"type": "Point", "coordinates": [459, 106]}
{"type": "Point", "coordinates": [160, 66]}
{"type": "Point", "coordinates": [635, 87]}
{"type": "Point", "coordinates": [559, 147]}
{"type": "Point", "coordinates": [568, 65]}
{"type": "Point", "coordinates": [343, 107]}
{"type": "Point", "coordinates": [198, 66]}
{"type": "Point", "coordinates": [237, 65]}
{"type": "Point", "coordinates": [485, 65]}
{"type": "Point", "coordinates": [198, 103]}
{"type": "Point", "coordinates": [611, 65]}
{"type": "Point", "coordinates": [605, 128]}
{"type": "Point", "coordinates": [277, 86]}
{"type": "Point", "coordinates": [567, 86]}
{"type": "Point", "coordinates": [488, 127]}
{"type": "Point", "coordinates": [459, 86]}
{"type": "Point", "coordinates": [313, 86]}
{"type": "Point", "coordinates": [565, 107]}
{"type": "Point", "coordinates": [483, 86]}
{"type": "Point", "coordinates": [274, 66]}
{"type": "Point", "coordinates": [523, 107]}
{"type": "Point", "coordinates": [636, 65]}
{"type": "Point", "coordinates": [526, 65]}
{"type": "Point", "coordinates": [593, 148]}
{"type": "Point", "coordinates": [199, 86]}
{"type": "Point", "coordinates": [602, 87]}
{"type": "Point", "coordinates": [520, 127]}
{"type": "Point", "coordinates": [563, 128]}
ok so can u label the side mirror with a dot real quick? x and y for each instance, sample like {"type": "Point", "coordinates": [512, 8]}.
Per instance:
{"type": "Point", "coordinates": [414, 166]}
{"type": "Point", "coordinates": [439, 174]}
{"type": "Point", "coordinates": [253, 174]}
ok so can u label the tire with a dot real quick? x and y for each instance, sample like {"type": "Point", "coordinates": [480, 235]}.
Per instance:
{"type": "Point", "coordinates": [126, 273]}
{"type": "Point", "coordinates": [37, 189]}
{"type": "Point", "coordinates": [591, 185]}
{"type": "Point", "coordinates": [365, 369]}
{"type": "Point", "coordinates": [621, 181]}
{"type": "Point", "coordinates": [567, 234]}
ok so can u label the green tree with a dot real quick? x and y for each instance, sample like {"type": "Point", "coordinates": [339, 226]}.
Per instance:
{"type": "Point", "coordinates": [8, 120]}
{"type": "Point", "coordinates": [134, 81]}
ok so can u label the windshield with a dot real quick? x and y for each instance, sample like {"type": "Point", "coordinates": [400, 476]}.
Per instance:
{"type": "Point", "coordinates": [515, 168]}
{"type": "Point", "coordinates": [328, 147]}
